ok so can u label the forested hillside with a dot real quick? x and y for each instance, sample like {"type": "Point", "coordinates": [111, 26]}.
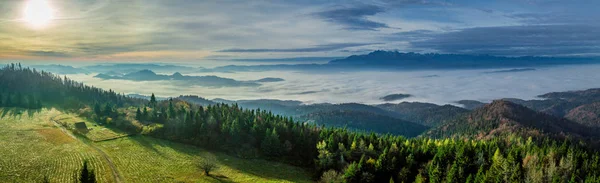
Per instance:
{"type": "Point", "coordinates": [364, 121]}
{"type": "Point", "coordinates": [338, 154]}
{"type": "Point", "coordinates": [502, 118]}
{"type": "Point", "coordinates": [424, 113]}
{"type": "Point", "coordinates": [28, 88]}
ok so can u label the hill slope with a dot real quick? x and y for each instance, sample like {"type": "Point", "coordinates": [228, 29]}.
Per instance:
{"type": "Point", "coordinates": [33, 147]}
{"type": "Point", "coordinates": [424, 113]}
{"type": "Point", "coordinates": [361, 120]}
{"type": "Point", "coordinates": [503, 117]}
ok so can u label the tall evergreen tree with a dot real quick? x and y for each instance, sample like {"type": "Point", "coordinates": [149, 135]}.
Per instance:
{"type": "Point", "coordinates": [138, 114]}
{"type": "Point", "coordinates": [153, 101]}
{"type": "Point", "coordinates": [145, 113]}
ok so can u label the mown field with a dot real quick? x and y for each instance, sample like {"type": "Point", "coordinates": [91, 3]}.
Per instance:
{"type": "Point", "coordinates": [32, 146]}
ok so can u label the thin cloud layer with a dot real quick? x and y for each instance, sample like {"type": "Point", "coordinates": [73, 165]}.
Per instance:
{"type": "Point", "coordinates": [515, 40]}
{"type": "Point", "coordinates": [355, 17]}
{"type": "Point", "coordinates": [318, 48]}
{"type": "Point", "coordinates": [189, 31]}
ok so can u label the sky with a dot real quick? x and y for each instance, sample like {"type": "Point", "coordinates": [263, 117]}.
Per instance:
{"type": "Point", "coordinates": [194, 31]}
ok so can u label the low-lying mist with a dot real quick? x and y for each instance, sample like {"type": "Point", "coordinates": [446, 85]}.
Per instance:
{"type": "Point", "coordinates": [435, 86]}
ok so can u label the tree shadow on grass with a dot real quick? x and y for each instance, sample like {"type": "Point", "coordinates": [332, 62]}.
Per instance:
{"type": "Point", "coordinates": [220, 178]}
{"type": "Point", "coordinates": [148, 145]}
{"type": "Point", "coordinates": [16, 112]}
{"type": "Point", "coordinates": [256, 167]}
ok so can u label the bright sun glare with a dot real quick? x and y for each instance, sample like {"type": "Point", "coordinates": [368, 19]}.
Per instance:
{"type": "Point", "coordinates": [38, 13]}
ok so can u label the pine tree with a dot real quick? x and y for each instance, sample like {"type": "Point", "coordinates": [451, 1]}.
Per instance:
{"type": "Point", "coordinates": [145, 113]}
{"type": "Point", "coordinates": [97, 109]}
{"type": "Point", "coordinates": [172, 112]}
{"type": "Point", "coordinates": [271, 145]}
{"type": "Point", "coordinates": [153, 101]}
{"type": "Point", "coordinates": [138, 114]}
{"type": "Point", "coordinates": [352, 173]}
{"type": "Point", "coordinates": [108, 110]}
{"type": "Point", "coordinates": [480, 176]}
{"type": "Point", "coordinates": [452, 175]}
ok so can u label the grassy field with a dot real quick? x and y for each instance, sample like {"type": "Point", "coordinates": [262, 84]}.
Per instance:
{"type": "Point", "coordinates": [95, 133]}
{"type": "Point", "coordinates": [32, 146]}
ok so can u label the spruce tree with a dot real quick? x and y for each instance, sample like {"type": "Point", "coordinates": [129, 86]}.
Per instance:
{"type": "Point", "coordinates": [138, 114]}
{"type": "Point", "coordinates": [172, 112]}
{"type": "Point", "coordinates": [153, 101]}
{"type": "Point", "coordinates": [145, 113]}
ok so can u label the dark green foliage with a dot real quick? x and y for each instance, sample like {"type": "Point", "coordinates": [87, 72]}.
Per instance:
{"type": "Point", "coordinates": [29, 88]}
{"type": "Point", "coordinates": [362, 157]}
{"type": "Point", "coordinates": [270, 145]}
{"type": "Point", "coordinates": [208, 165]}
{"type": "Point", "coordinates": [365, 121]}
{"type": "Point", "coordinates": [138, 114]}
{"type": "Point", "coordinates": [152, 101]}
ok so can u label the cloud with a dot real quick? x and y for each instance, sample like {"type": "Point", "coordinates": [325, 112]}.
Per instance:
{"type": "Point", "coordinates": [47, 54]}
{"type": "Point", "coordinates": [368, 86]}
{"type": "Point", "coordinates": [354, 17]}
{"type": "Point", "coordinates": [411, 35]}
{"type": "Point", "coordinates": [514, 40]}
{"type": "Point", "coordinates": [318, 48]}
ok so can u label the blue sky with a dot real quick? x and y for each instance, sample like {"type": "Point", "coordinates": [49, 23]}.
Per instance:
{"type": "Point", "coordinates": [191, 30]}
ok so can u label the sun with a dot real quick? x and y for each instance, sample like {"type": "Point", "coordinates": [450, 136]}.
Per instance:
{"type": "Point", "coordinates": [38, 13]}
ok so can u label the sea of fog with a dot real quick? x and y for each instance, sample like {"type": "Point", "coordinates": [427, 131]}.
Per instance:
{"type": "Point", "coordinates": [434, 86]}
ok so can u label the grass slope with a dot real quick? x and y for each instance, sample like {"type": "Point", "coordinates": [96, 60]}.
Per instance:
{"type": "Point", "coordinates": [32, 146]}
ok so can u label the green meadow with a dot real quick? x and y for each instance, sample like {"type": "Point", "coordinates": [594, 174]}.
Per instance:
{"type": "Point", "coordinates": [36, 143]}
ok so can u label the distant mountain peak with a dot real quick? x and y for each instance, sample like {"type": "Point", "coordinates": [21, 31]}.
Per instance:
{"type": "Point", "coordinates": [177, 74]}
{"type": "Point", "coordinates": [412, 60]}
{"type": "Point", "coordinates": [145, 71]}
{"type": "Point", "coordinates": [502, 117]}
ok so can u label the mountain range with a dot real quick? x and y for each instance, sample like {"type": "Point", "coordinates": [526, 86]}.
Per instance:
{"type": "Point", "coordinates": [572, 114]}
{"type": "Point", "coordinates": [386, 60]}
{"type": "Point", "coordinates": [211, 81]}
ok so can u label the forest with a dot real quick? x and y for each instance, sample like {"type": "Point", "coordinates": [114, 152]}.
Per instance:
{"type": "Point", "coordinates": [332, 154]}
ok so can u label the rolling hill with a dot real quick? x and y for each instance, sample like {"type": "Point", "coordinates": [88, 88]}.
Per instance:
{"type": "Point", "coordinates": [503, 118]}
{"type": "Point", "coordinates": [424, 113]}
{"type": "Point", "coordinates": [364, 121]}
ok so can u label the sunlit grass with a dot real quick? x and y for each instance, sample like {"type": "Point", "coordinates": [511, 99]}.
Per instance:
{"type": "Point", "coordinates": [32, 147]}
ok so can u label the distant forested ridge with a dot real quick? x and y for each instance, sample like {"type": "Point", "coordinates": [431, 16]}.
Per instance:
{"type": "Point", "coordinates": [448, 61]}
{"type": "Point", "coordinates": [212, 81]}
{"type": "Point", "coordinates": [332, 154]}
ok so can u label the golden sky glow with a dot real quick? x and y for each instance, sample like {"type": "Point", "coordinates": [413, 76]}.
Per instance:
{"type": "Point", "coordinates": [192, 30]}
{"type": "Point", "coordinates": [38, 13]}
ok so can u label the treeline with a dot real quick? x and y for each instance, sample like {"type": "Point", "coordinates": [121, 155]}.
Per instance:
{"type": "Point", "coordinates": [340, 155]}
{"type": "Point", "coordinates": [364, 121]}
{"type": "Point", "coordinates": [19, 100]}
{"type": "Point", "coordinates": [246, 133]}
{"type": "Point", "coordinates": [29, 88]}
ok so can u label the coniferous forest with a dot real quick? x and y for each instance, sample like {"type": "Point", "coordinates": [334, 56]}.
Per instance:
{"type": "Point", "coordinates": [331, 154]}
